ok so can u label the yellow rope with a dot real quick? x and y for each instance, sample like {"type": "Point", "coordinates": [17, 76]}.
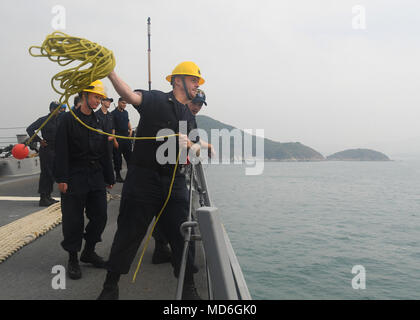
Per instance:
{"type": "Point", "coordinates": [97, 62]}
{"type": "Point", "coordinates": [64, 49]}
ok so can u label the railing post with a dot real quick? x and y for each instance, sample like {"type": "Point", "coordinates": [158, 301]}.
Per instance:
{"type": "Point", "coordinates": [211, 231]}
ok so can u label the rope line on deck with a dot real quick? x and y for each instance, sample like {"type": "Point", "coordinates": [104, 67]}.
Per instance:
{"type": "Point", "coordinates": [17, 234]}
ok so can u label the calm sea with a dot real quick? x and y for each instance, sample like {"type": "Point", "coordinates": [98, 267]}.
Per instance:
{"type": "Point", "coordinates": [299, 228]}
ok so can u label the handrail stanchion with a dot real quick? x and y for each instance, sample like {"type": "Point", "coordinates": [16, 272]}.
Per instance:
{"type": "Point", "coordinates": [224, 287]}
{"type": "Point", "coordinates": [185, 230]}
{"type": "Point", "coordinates": [225, 280]}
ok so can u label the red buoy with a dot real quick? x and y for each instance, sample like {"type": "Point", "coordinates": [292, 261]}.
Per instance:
{"type": "Point", "coordinates": [20, 151]}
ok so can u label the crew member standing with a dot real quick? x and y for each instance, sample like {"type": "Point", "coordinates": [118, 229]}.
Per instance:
{"type": "Point", "coordinates": [162, 254]}
{"type": "Point", "coordinates": [108, 122]}
{"type": "Point", "coordinates": [46, 153]}
{"type": "Point", "coordinates": [83, 169]}
{"type": "Point", "coordinates": [148, 180]}
{"type": "Point", "coordinates": [122, 128]}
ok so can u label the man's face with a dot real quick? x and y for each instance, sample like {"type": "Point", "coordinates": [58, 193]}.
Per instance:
{"type": "Point", "coordinates": [191, 82]}
{"type": "Point", "coordinates": [106, 103]}
{"type": "Point", "coordinates": [122, 104]}
{"type": "Point", "coordinates": [195, 108]}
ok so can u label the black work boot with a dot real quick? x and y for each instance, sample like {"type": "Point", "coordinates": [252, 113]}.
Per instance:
{"type": "Point", "coordinates": [52, 201]}
{"type": "Point", "coordinates": [118, 177]}
{"type": "Point", "coordinates": [73, 267]}
{"type": "Point", "coordinates": [44, 201]}
{"type": "Point", "coordinates": [110, 290]}
{"type": "Point", "coordinates": [89, 256]}
{"type": "Point", "coordinates": [161, 254]}
{"type": "Point", "coordinates": [189, 291]}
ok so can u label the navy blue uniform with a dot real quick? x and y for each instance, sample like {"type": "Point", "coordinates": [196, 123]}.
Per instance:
{"type": "Point", "coordinates": [147, 185]}
{"type": "Point", "coordinates": [84, 163]}
{"type": "Point", "coordinates": [47, 153]}
{"type": "Point", "coordinates": [108, 124]}
{"type": "Point", "coordinates": [121, 122]}
{"type": "Point", "coordinates": [124, 145]}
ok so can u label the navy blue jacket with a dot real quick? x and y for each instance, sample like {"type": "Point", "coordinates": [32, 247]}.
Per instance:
{"type": "Point", "coordinates": [78, 148]}
{"type": "Point", "coordinates": [48, 131]}
{"type": "Point", "coordinates": [158, 110]}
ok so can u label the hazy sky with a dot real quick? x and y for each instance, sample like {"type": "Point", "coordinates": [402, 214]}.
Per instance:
{"type": "Point", "coordinates": [300, 70]}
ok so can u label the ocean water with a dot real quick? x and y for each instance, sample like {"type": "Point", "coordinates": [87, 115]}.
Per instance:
{"type": "Point", "coordinates": [299, 228]}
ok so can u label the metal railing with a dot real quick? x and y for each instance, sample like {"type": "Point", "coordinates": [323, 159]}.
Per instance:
{"type": "Point", "coordinates": [225, 280]}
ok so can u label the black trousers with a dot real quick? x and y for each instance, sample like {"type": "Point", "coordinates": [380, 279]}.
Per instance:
{"type": "Point", "coordinates": [86, 193]}
{"type": "Point", "coordinates": [46, 177]}
{"type": "Point", "coordinates": [143, 195]}
{"type": "Point", "coordinates": [159, 236]}
{"type": "Point", "coordinates": [124, 149]}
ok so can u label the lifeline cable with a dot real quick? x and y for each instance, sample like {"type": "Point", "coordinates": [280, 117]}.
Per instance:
{"type": "Point", "coordinates": [64, 49]}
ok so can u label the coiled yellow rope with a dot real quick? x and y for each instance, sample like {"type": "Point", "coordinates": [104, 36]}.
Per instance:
{"type": "Point", "coordinates": [96, 62]}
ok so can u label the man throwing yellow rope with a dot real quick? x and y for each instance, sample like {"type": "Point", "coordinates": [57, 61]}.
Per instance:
{"type": "Point", "coordinates": [154, 186]}
{"type": "Point", "coordinates": [148, 180]}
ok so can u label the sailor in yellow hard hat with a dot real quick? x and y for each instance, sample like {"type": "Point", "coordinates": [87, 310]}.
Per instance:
{"type": "Point", "coordinates": [97, 93]}
{"type": "Point", "coordinates": [148, 178]}
{"type": "Point", "coordinates": [83, 169]}
{"type": "Point", "coordinates": [181, 71]}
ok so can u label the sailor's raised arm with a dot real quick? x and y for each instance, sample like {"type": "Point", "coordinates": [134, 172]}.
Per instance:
{"type": "Point", "coordinates": [124, 90]}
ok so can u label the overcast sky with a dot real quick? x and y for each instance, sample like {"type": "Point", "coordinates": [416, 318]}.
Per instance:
{"type": "Point", "coordinates": [300, 70]}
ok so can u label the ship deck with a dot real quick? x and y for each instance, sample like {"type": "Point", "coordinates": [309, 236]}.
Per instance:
{"type": "Point", "coordinates": [27, 274]}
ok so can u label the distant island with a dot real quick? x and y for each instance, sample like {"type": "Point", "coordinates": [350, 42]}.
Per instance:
{"type": "Point", "coordinates": [289, 151]}
{"type": "Point", "coordinates": [359, 155]}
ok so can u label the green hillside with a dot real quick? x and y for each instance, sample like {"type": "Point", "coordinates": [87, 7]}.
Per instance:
{"type": "Point", "coordinates": [276, 151]}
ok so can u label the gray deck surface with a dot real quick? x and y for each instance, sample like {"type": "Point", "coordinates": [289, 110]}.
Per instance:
{"type": "Point", "coordinates": [28, 273]}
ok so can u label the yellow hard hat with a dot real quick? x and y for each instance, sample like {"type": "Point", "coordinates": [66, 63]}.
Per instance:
{"type": "Point", "coordinates": [187, 68]}
{"type": "Point", "coordinates": [97, 87]}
